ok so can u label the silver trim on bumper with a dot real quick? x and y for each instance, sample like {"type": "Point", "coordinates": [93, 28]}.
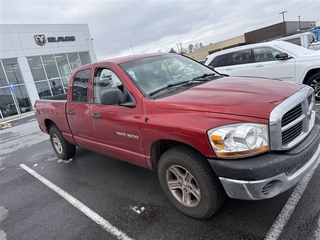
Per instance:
{"type": "Point", "coordinates": [267, 188]}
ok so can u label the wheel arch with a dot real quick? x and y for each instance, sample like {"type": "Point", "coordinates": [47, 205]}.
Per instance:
{"type": "Point", "coordinates": [161, 146]}
{"type": "Point", "coordinates": [49, 124]}
{"type": "Point", "coordinates": [309, 74]}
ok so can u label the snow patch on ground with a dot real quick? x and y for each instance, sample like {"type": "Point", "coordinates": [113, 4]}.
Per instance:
{"type": "Point", "coordinates": [65, 161]}
{"type": "Point", "coordinates": [137, 210]}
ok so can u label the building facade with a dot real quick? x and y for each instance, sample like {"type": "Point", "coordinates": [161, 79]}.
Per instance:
{"type": "Point", "coordinates": [36, 61]}
{"type": "Point", "coordinates": [267, 33]}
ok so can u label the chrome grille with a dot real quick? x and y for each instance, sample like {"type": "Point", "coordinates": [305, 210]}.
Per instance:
{"type": "Point", "coordinates": [292, 120]}
{"type": "Point", "coordinates": [291, 115]}
{"type": "Point", "coordinates": [291, 133]}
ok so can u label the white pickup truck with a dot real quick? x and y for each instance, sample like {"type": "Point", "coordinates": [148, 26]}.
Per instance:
{"type": "Point", "coordinates": [307, 40]}
{"type": "Point", "coordinates": [275, 59]}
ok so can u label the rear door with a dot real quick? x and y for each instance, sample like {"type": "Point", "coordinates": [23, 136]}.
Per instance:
{"type": "Point", "coordinates": [237, 63]}
{"type": "Point", "coordinates": [78, 109]}
{"type": "Point", "coordinates": [266, 65]}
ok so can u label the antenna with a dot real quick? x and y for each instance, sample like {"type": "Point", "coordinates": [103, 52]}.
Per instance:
{"type": "Point", "coordinates": [131, 47]}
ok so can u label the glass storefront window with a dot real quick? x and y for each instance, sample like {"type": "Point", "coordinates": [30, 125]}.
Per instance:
{"type": "Point", "coordinates": [3, 79]}
{"type": "Point", "coordinates": [12, 70]}
{"type": "Point", "coordinates": [63, 65]}
{"type": "Point", "coordinates": [7, 105]}
{"type": "Point", "coordinates": [50, 66]}
{"type": "Point", "coordinates": [23, 99]}
{"type": "Point", "coordinates": [56, 87]}
{"type": "Point", "coordinates": [43, 89]}
{"type": "Point", "coordinates": [65, 82]}
{"type": "Point", "coordinates": [74, 60]}
{"type": "Point", "coordinates": [36, 68]}
{"type": "Point", "coordinates": [85, 58]}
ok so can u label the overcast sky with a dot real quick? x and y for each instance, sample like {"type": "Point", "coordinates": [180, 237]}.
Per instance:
{"type": "Point", "coordinates": [158, 25]}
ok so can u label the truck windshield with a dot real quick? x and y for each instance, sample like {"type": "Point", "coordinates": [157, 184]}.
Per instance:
{"type": "Point", "coordinates": [158, 73]}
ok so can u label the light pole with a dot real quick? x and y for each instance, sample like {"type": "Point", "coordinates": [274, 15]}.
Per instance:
{"type": "Point", "coordinates": [299, 24]}
{"type": "Point", "coordinates": [177, 47]}
{"type": "Point", "coordinates": [283, 14]}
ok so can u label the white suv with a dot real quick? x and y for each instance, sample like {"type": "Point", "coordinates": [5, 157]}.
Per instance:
{"type": "Point", "coordinates": [276, 59]}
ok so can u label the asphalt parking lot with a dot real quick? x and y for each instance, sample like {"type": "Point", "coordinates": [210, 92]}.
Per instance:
{"type": "Point", "coordinates": [96, 197]}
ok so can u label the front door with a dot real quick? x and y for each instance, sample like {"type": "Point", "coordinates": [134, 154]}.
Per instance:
{"type": "Point", "coordinates": [116, 127]}
{"type": "Point", "coordinates": [266, 65]}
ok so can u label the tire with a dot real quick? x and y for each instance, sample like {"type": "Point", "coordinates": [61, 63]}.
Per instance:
{"type": "Point", "coordinates": [190, 183]}
{"type": "Point", "coordinates": [314, 82]}
{"type": "Point", "coordinates": [62, 148]}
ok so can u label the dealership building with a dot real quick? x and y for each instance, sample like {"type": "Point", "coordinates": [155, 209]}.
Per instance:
{"type": "Point", "coordinates": [36, 61]}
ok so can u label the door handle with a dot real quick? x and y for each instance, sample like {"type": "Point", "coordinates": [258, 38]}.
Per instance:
{"type": "Point", "coordinates": [96, 115]}
{"type": "Point", "coordinates": [71, 112]}
{"type": "Point", "coordinates": [259, 65]}
{"type": "Point", "coordinates": [228, 69]}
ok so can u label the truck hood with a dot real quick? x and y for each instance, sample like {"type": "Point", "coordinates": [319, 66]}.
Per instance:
{"type": "Point", "coordinates": [245, 96]}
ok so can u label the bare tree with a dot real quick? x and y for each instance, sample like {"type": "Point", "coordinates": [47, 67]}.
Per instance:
{"type": "Point", "coordinates": [172, 51]}
{"type": "Point", "coordinates": [190, 48]}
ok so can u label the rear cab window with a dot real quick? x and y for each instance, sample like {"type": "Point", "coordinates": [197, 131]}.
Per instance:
{"type": "Point", "coordinates": [80, 86]}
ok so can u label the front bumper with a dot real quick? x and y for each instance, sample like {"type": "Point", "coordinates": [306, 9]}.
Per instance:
{"type": "Point", "coordinates": [267, 175]}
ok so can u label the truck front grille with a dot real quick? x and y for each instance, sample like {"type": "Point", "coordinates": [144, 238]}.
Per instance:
{"type": "Point", "coordinates": [290, 125]}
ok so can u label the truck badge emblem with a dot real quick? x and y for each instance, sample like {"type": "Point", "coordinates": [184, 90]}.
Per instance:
{"type": "Point", "coordinates": [40, 39]}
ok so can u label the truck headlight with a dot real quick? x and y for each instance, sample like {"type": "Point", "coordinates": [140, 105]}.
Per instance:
{"type": "Point", "coordinates": [239, 140]}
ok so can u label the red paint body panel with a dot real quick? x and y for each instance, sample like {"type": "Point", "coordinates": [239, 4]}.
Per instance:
{"type": "Point", "coordinates": [234, 95]}
{"type": "Point", "coordinates": [183, 117]}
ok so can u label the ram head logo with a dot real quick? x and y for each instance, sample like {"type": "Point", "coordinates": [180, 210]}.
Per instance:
{"type": "Point", "coordinates": [40, 39]}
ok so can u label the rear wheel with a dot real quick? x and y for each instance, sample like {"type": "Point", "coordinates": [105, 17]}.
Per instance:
{"type": "Point", "coordinates": [189, 182]}
{"type": "Point", "coordinates": [62, 148]}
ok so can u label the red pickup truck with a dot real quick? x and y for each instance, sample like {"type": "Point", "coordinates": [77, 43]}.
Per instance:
{"type": "Point", "coordinates": [207, 135]}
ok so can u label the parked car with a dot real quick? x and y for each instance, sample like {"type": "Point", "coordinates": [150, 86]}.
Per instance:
{"type": "Point", "coordinates": [172, 114]}
{"type": "Point", "coordinates": [275, 59]}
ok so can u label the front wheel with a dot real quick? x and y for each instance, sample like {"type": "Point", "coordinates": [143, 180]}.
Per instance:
{"type": "Point", "coordinates": [62, 148]}
{"type": "Point", "coordinates": [314, 82]}
{"type": "Point", "coordinates": [189, 182]}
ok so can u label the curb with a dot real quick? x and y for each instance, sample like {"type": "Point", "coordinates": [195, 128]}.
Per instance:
{"type": "Point", "coordinates": [16, 117]}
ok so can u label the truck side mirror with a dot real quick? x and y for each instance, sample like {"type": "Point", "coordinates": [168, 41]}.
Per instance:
{"type": "Point", "coordinates": [112, 96]}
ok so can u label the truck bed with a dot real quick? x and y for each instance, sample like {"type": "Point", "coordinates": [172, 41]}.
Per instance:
{"type": "Point", "coordinates": [52, 111]}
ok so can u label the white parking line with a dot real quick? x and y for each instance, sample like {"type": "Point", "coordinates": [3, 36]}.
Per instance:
{"type": "Point", "coordinates": [80, 206]}
{"type": "Point", "coordinates": [285, 214]}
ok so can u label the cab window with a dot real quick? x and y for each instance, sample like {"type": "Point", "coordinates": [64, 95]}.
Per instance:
{"type": "Point", "coordinates": [104, 79]}
{"type": "Point", "coordinates": [265, 54]}
{"type": "Point", "coordinates": [220, 61]}
{"type": "Point", "coordinates": [240, 57]}
{"type": "Point", "coordinates": [80, 86]}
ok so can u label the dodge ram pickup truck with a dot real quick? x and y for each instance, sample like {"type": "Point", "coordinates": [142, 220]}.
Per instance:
{"type": "Point", "coordinates": [207, 135]}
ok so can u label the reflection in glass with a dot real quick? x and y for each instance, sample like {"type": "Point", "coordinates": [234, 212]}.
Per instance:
{"type": "Point", "coordinates": [50, 66]}
{"type": "Point", "coordinates": [63, 65]}
{"type": "Point", "coordinates": [65, 82]}
{"type": "Point", "coordinates": [36, 68]}
{"type": "Point", "coordinates": [23, 98]}
{"type": "Point", "coordinates": [74, 60]}
{"type": "Point", "coordinates": [7, 105]}
{"type": "Point", "coordinates": [43, 89]}
{"type": "Point", "coordinates": [12, 70]}
{"type": "Point", "coordinates": [56, 87]}
{"type": "Point", "coordinates": [85, 58]}
{"type": "Point", "coordinates": [3, 80]}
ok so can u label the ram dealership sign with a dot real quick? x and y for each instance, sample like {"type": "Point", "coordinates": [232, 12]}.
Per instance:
{"type": "Point", "coordinates": [41, 39]}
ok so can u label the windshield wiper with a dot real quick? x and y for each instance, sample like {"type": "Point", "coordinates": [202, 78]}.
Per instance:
{"type": "Point", "coordinates": [204, 76]}
{"type": "Point", "coordinates": [170, 85]}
